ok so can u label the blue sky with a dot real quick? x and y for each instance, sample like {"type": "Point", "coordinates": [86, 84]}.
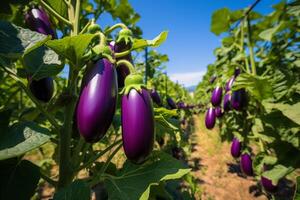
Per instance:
{"type": "Point", "coordinates": [190, 43]}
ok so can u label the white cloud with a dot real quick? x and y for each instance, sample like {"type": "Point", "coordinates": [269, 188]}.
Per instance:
{"type": "Point", "coordinates": [187, 79]}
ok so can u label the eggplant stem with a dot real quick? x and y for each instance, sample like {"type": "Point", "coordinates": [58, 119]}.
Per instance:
{"type": "Point", "coordinates": [127, 63]}
{"type": "Point", "coordinates": [119, 25]}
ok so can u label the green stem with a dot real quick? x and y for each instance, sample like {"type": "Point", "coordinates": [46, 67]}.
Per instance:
{"type": "Point", "coordinates": [122, 54]}
{"type": "Point", "coordinates": [56, 14]}
{"type": "Point", "coordinates": [252, 61]}
{"type": "Point", "coordinates": [48, 179]}
{"type": "Point", "coordinates": [98, 155]}
{"type": "Point", "coordinates": [119, 25]}
{"type": "Point", "coordinates": [96, 179]}
{"type": "Point", "coordinates": [85, 27]}
{"type": "Point", "coordinates": [127, 63]}
{"type": "Point", "coordinates": [76, 19]}
{"type": "Point", "coordinates": [102, 39]}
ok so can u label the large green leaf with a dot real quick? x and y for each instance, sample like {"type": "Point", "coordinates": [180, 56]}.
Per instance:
{"type": "Point", "coordinates": [59, 6]}
{"type": "Point", "coordinates": [21, 138]}
{"type": "Point", "coordinates": [258, 86]}
{"type": "Point", "coordinates": [15, 40]}
{"type": "Point", "coordinates": [134, 182]}
{"type": "Point", "coordinates": [269, 33]}
{"type": "Point", "coordinates": [220, 21]}
{"type": "Point", "coordinates": [78, 190]}
{"type": "Point", "coordinates": [278, 172]}
{"type": "Point", "coordinates": [72, 47]}
{"type": "Point", "coordinates": [158, 40]}
{"type": "Point", "coordinates": [19, 179]}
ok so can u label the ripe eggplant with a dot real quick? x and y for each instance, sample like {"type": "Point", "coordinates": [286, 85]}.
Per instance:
{"type": "Point", "coordinates": [210, 118]}
{"type": "Point", "coordinates": [218, 112]}
{"type": "Point", "coordinates": [216, 96]}
{"type": "Point", "coordinates": [229, 83]}
{"type": "Point", "coordinates": [239, 99]}
{"type": "Point", "coordinates": [171, 103]}
{"type": "Point", "coordinates": [236, 148]}
{"type": "Point", "coordinates": [42, 89]}
{"type": "Point", "coordinates": [237, 72]}
{"type": "Point", "coordinates": [37, 20]}
{"type": "Point", "coordinates": [226, 102]}
{"type": "Point", "coordinates": [97, 102]}
{"type": "Point", "coordinates": [268, 185]}
{"type": "Point", "coordinates": [246, 164]}
{"type": "Point", "coordinates": [212, 79]}
{"type": "Point", "coordinates": [137, 124]}
{"type": "Point", "coordinates": [181, 105]}
{"type": "Point", "coordinates": [155, 97]}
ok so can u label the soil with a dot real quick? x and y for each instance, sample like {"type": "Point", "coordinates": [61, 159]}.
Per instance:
{"type": "Point", "coordinates": [217, 173]}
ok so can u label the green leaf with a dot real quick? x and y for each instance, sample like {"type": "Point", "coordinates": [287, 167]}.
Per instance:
{"type": "Point", "coordinates": [59, 6]}
{"type": "Point", "coordinates": [72, 47]}
{"type": "Point", "coordinates": [164, 123]}
{"type": "Point", "coordinates": [297, 192]}
{"type": "Point", "coordinates": [157, 41]}
{"type": "Point", "coordinates": [42, 62]}
{"type": "Point", "coordinates": [78, 190]}
{"type": "Point", "coordinates": [278, 172]}
{"type": "Point", "coordinates": [21, 138]}
{"type": "Point", "coordinates": [220, 21]}
{"type": "Point", "coordinates": [15, 40]}
{"type": "Point", "coordinates": [258, 86]}
{"type": "Point", "coordinates": [134, 182]}
{"type": "Point", "coordinates": [269, 33]}
{"type": "Point", "coordinates": [290, 111]}
{"type": "Point", "coordinates": [19, 179]}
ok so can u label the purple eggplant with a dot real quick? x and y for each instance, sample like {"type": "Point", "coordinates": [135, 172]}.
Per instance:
{"type": "Point", "coordinates": [246, 164]}
{"type": "Point", "coordinates": [97, 102]}
{"type": "Point", "coordinates": [226, 102]}
{"type": "Point", "coordinates": [42, 89]}
{"type": "Point", "coordinates": [237, 72]}
{"type": "Point", "coordinates": [229, 83]}
{"type": "Point", "coordinates": [268, 185]}
{"type": "Point", "coordinates": [236, 148]}
{"type": "Point", "coordinates": [216, 96]}
{"type": "Point", "coordinates": [37, 20]}
{"type": "Point", "coordinates": [210, 118]}
{"type": "Point", "coordinates": [212, 79]}
{"type": "Point", "coordinates": [181, 105]}
{"type": "Point", "coordinates": [155, 97]}
{"type": "Point", "coordinates": [137, 125]}
{"type": "Point", "coordinates": [239, 99]}
{"type": "Point", "coordinates": [171, 103]}
{"type": "Point", "coordinates": [218, 112]}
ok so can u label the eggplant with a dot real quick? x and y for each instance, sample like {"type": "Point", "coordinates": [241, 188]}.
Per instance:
{"type": "Point", "coordinates": [212, 79]}
{"type": "Point", "coordinates": [181, 105]}
{"type": "Point", "coordinates": [246, 164]}
{"type": "Point", "coordinates": [237, 72]}
{"type": "Point", "coordinates": [268, 185]}
{"type": "Point", "coordinates": [236, 148]}
{"type": "Point", "coordinates": [97, 102]}
{"type": "Point", "coordinates": [216, 96]}
{"type": "Point", "coordinates": [218, 112]}
{"type": "Point", "coordinates": [42, 89]}
{"type": "Point", "coordinates": [229, 83]}
{"type": "Point", "coordinates": [122, 70]}
{"type": "Point", "coordinates": [137, 125]}
{"type": "Point", "coordinates": [226, 102]}
{"type": "Point", "coordinates": [155, 97]}
{"type": "Point", "coordinates": [171, 103]}
{"type": "Point", "coordinates": [239, 99]}
{"type": "Point", "coordinates": [210, 118]}
{"type": "Point", "coordinates": [37, 20]}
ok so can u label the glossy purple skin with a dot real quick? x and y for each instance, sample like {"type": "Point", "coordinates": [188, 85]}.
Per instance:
{"type": "Point", "coordinates": [42, 89]}
{"type": "Point", "coordinates": [210, 118]}
{"type": "Point", "coordinates": [137, 125]}
{"type": "Point", "coordinates": [237, 72]}
{"type": "Point", "coordinates": [97, 102]}
{"type": "Point", "coordinates": [216, 96]}
{"type": "Point", "coordinates": [226, 102]}
{"type": "Point", "coordinates": [218, 112]}
{"type": "Point", "coordinates": [239, 99]}
{"type": "Point", "coordinates": [155, 97]}
{"type": "Point", "coordinates": [236, 148]}
{"type": "Point", "coordinates": [212, 79]}
{"type": "Point", "coordinates": [229, 83]}
{"type": "Point", "coordinates": [268, 185]}
{"type": "Point", "coordinates": [37, 20]}
{"type": "Point", "coordinates": [246, 164]}
{"type": "Point", "coordinates": [181, 105]}
{"type": "Point", "coordinates": [171, 103]}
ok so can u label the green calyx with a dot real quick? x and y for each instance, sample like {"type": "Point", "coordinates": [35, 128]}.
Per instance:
{"type": "Point", "coordinates": [133, 81]}
{"type": "Point", "coordinates": [93, 28]}
{"type": "Point", "coordinates": [125, 35]}
{"type": "Point", "coordinates": [100, 51]}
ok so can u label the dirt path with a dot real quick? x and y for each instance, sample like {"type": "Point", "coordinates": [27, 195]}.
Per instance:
{"type": "Point", "coordinates": [217, 172]}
